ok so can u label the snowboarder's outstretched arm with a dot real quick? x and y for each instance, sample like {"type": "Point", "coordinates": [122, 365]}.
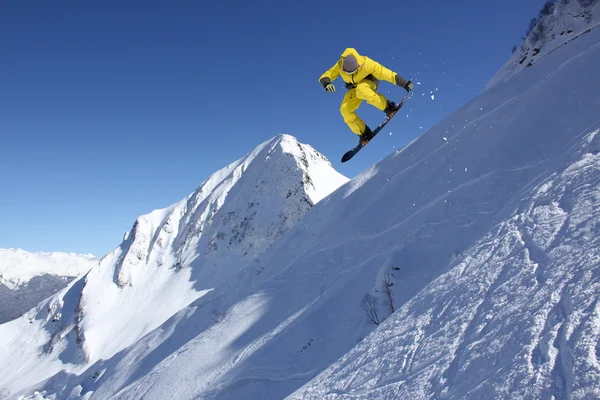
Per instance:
{"type": "Point", "coordinates": [329, 76]}
{"type": "Point", "coordinates": [384, 74]}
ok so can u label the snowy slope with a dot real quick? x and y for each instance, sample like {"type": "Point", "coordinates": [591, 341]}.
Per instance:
{"type": "Point", "coordinates": [28, 278]}
{"type": "Point", "coordinates": [516, 316]}
{"type": "Point", "coordinates": [170, 258]}
{"type": "Point", "coordinates": [484, 230]}
{"type": "Point", "coordinates": [564, 21]}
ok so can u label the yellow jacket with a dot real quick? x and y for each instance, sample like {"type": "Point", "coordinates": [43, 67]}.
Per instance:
{"type": "Point", "coordinates": [368, 69]}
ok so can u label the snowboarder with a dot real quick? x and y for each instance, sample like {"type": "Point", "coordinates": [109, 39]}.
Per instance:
{"type": "Point", "coordinates": [362, 75]}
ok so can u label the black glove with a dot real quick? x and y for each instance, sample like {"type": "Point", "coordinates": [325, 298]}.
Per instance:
{"type": "Point", "coordinates": [327, 85]}
{"type": "Point", "coordinates": [403, 83]}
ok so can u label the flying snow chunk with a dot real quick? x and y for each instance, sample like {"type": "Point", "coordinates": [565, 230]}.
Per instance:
{"type": "Point", "coordinates": [433, 97]}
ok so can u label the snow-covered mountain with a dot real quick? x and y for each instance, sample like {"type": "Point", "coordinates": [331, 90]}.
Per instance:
{"type": "Point", "coordinates": [516, 315]}
{"type": "Point", "coordinates": [28, 278]}
{"type": "Point", "coordinates": [558, 23]}
{"type": "Point", "coordinates": [464, 266]}
{"type": "Point", "coordinates": [170, 258]}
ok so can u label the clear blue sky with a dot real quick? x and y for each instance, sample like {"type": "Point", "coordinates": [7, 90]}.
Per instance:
{"type": "Point", "coordinates": [111, 109]}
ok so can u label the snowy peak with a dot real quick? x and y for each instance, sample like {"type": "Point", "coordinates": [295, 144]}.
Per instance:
{"type": "Point", "coordinates": [175, 255]}
{"type": "Point", "coordinates": [28, 278]}
{"type": "Point", "coordinates": [17, 267]}
{"type": "Point", "coordinates": [558, 23]}
{"type": "Point", "coordinates": [318, 175]}
{"type": "Point", "coordinates": [183, 251]}
{"type": "Point", "coordinates": [235, 214]}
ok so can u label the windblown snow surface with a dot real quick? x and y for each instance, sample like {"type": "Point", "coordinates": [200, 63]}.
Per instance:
{"type": "Point", "coordinates": [483, 237]}
{"type": "Point", "coordinates": [28, 278]}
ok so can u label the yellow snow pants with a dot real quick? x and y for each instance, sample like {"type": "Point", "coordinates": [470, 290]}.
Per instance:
{"type": "Point", "coordinates": [365, 90]}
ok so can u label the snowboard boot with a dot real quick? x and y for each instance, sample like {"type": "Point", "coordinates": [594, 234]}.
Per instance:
{"type": "Point", "coordinates": [365, 136]}
{"type": "Point", "coordinates": [390, 108]}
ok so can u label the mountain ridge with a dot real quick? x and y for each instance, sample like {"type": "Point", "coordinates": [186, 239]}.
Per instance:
{"type": "Point", "coordinates": [173, 256]}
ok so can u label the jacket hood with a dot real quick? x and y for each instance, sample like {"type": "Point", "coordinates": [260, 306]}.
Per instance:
{"type": "Point", "coordinates": [350, 51]}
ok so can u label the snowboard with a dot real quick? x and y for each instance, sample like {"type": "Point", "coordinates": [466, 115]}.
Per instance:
{"type": "Point", "coordinates": [362, 144]}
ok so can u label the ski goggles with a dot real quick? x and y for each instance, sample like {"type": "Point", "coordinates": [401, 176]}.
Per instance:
{"type": "Point", "coordinates": [350, 72]}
